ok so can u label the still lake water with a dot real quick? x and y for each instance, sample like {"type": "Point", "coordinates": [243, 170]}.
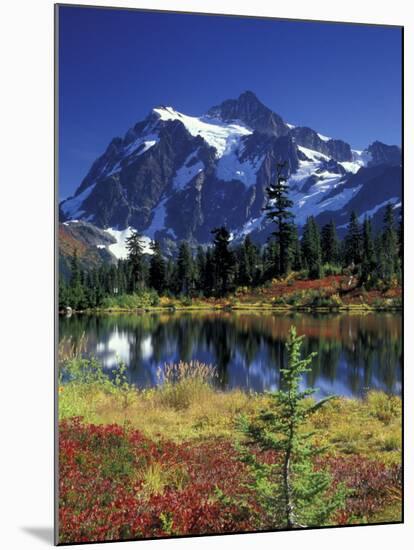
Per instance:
{"type": "Point", "coordinates": [355, 352]}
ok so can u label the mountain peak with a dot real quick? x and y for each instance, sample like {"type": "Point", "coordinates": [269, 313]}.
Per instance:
{"type": "Point", "coordinates": [175, 176]}
{"type": "Point", "coordinates": [248, 109]}
{"type": "Point", "coordinates": [229, 108]}
{"type": "Point", "coordinates": [248, 95]}
{"type": "Point", "coordinates": [384, 154]}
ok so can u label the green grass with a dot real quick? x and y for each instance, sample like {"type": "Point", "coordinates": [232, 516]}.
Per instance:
{"type": "Point", "coordinates": [188, 407]}
{"type": "Point", "coordinates": [139, 300]}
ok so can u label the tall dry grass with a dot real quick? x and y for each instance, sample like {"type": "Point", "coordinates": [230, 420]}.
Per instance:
{"type": "Point", "coordinates": [182, 384]}
{"type": "Point", "coordinates": [70, 348]}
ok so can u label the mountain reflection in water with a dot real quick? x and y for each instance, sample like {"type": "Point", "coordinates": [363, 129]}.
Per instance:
{"type": "Point", "coordinates": [355, 352]}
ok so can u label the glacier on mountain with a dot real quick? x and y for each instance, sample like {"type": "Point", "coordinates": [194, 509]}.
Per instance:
{"type": "Point", "coordinates": [178, 176]}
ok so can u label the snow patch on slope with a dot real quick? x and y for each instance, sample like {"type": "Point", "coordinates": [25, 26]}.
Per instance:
{"type": "Point", "coordinates": [305, 169]}
{"type": "Point", "coordinates": [158, 220]}
{"type": "Point", "coordinates": [313, 155]}
{"type": "Point", "coordinates": [251, 225]}
{"type": "Point", "coordinates": [119, 249]}
{"type": "Point", "coordinates": [311, 202]}
{"type": "Point", "coordinates": [145, 143]}
{"type": "Point", "coordinates": [339, 200]}
{"type": "Point", "coordinates": [215, 132]}
{"type": "Point", "coordinates": [369, 213]}
{"type": "Point", "coordinates": [72, 207]}
{"type": "Point", "coordinates": [187, 172]}
{"type": "Point", "coordinates": [372, 211]}
{"type": "Point", "coordinates": [230, 167]}
{"type": "Point", "coordinates": [148, 141]}
{"type": "Point", "coordinates": [359, 159]}
{"type": "Point", "coordinates": [324, 138]}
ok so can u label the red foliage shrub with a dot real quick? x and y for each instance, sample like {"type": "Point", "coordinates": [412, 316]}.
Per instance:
{"type": "Point", "coordinates": [101, 497]}
{"type": "Point", "coordinates": [371, 484]}
{"type": "Point", "coordinates": [102, 494]}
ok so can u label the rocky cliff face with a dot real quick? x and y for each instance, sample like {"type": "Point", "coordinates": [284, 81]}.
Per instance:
{"type": "Point", "coordinates": [174, 176]}
{"type": "Point", "coordinates": [248, 109]}
{"type": "Point", "coordinates": [384, 154]}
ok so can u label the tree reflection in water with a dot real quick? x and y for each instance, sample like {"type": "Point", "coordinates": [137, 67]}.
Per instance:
{"type": "Point", "coordinates": [355, 352]}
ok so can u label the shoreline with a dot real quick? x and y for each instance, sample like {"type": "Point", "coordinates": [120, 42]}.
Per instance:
{"type": "Point", "coordinates": [350, 308]}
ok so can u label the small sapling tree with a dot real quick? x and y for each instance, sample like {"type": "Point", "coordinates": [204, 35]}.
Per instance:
{"type": "Point", "coordinates": [291, 492]}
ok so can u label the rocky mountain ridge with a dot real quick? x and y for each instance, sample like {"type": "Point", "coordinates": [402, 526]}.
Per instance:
{"type": "Point", "coordinates": [174, 176]}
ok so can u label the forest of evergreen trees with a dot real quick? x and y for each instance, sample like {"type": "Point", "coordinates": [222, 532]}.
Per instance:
{"type": "Point", "coordinates": [221, 267]}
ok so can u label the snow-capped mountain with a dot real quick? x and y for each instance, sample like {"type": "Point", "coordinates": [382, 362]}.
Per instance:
{"type": "Point", "coordinates": [174, 176]}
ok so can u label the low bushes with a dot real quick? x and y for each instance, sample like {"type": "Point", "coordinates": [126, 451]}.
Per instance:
{"type": "Point", "coordinates": [138, 300]}
{"type": "Point", "coordinates": [165, 461]}
{"type": "Point", "coordinates": [186, 404]}
{"type": "Point", "coordinates": [309, 299]}
{"type": "Point", "coordinates": [115, 483]}
{"type": "Point", "coordinates": [189, 406]}
{"type": "Point", "coordinates": [371, 486]}
{"type": "Point", "coordinates": [384, 407]}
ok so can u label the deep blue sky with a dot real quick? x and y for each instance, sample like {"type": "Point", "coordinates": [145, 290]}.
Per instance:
{"type": "Point", "coordinates": [114, 66]}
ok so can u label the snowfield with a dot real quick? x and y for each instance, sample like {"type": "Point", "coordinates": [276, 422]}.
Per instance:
{"type": "Point", "coordinates": [230, 167]}
{"type": "Point", "coordinates": [72, 207]}
{"type": "Point", "coordinates": [313, 188]}
{"type": "Point", "coordinates": [187, 171]}
{"type": "Point", "coordinates": [359, 159]}
{"type": "Point", "coordinates": [158, 220]}
{"type": "Point", "coordinates": [119, 249]}
{"type": "Point", "coordinates": [215, 132]}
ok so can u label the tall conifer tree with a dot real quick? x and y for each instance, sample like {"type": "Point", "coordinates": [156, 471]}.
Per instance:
{"type": "Point", "coordinates": [224, 260]}
{"type": "Point", "coordinates": [185, 269]}
{"type": "Point", "coordinates": [390, 247]}
{"type": "Point", "coordinates": [135, 249]}
{"type": "Point", "coordinates": [311, 248]}
{"type": "Point", "coordinates": [157, 272]}
{"type": "Point", "coordinates": [368, 252]}
{"type": "Point", "coordinates": [353, 241]}
{"type": "Point", "coordinates": [329, 243]}
{"type": "Point", "coordinates": [277, 210]}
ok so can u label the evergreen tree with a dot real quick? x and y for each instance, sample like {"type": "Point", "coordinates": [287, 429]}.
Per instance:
{"type": "Point", "coordinates": [76, 295]}
{"type": "Point", "coordinates": [185, 269]}
{"type": "Point", "coordinates": [171, 276]}
{"type": "Point", "coordinates": [157, 271]}
{"type": "Point", "coordinates": [401, 241]}
{"type": "Point", "coordinates": [122, 277]}
{"type": "Point", "coordinates": [311, 248]}
{"type": "Point", "coordinates": [200, 268]}
{"type": "Point", "coordinates": [290, 491]}
{"type": "Point", "coordinates": [270, 260]}
{"type": "Point", "coordinates": [135, 259]}
{"type": "Point", "coordinates": [224, 261]}
{"type": "Point", "coordinates": [379, 260]}
{"type": "Point", "coordinates": [278, 212]}
{"type": "Point", "coordinates": [329, 243]}
{"type": "Point", "coordinates": [111, 285]}
{"type": "Point", "coordinates": [391, 268]}
{"type": "Point", "coordinates": [353, 242]}
{"type": "Point", "coordinates": [247, 259]}
{"type": "Point", "coordinates": [296, 250]}
{"type": "Point", "coordinates": [98, 291]}
{"type": "Point", "coordinates": [368, 266]}
{"type": "Point", "coordinates": [210, 273]}
{"type": "Point", "coordinates": [64, 300]}
{"type": "Point", "coordinates": [75, 273]}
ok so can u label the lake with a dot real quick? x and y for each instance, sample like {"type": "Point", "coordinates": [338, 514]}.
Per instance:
{"type": "Point", "coordinates": [356, 352]}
